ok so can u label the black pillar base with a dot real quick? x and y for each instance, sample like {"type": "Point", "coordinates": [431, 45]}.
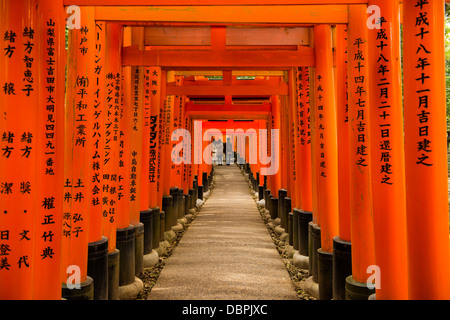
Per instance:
{"type": "Point", "coordinates": [84, 292]}
{"type": "Point", "coordinates": [273, 207]}
{"type": "Point", "coordinates": [282, 193]}
{"type": "Point", "coordinates": [125, 243]}
{"type": "Point", "coordinates": [191, 198]}
{"type": "Point", "coordinates": [187, 202]}
{"type": "Point", "coordinates": [357, 290]}
{"type": "Point", "coordinates": [156, 228]}
{"type": "Point", "coordinates": [146, 218]}
{"type": "Point", "coordinates": [113, 274]}
{"type": "Point", "coordinates": [97, 267]}
{"type": "Point", "coordinates": [342, 266]}
{"type": "Point", "coordinates": [304, 218]}
{"type": "Point", "coordinates": [195, 187]}
{"type": "Point", "coordinates": [295, 235]}
{"type": "Point", "coordinates": [287, 209]}
{"type": "Point", "coordinates": [291, 228]}
{"type": "Point", "coordinates": [205, 181]}
{"type": "Point", "coordinates": [325, 274]}
{"type": "Point", "coordinates": [139, 249]}
{"type": "Point", "coordinates": [162, 225]}
{"type": "Point", "coordinates": [315, 241]}
{"type": "Point", "coordinates": [167, 207]}
{"type": "Point", "coordinates": [181, 204]}
{"type": "Point", "coordinates": [260, 192]}
{"type": "Point", "coordinates": [200, 192]}
{"type": "Point", "coordinates": [266, 198]}
{"type": "Point", "coordinates": [175, 206]}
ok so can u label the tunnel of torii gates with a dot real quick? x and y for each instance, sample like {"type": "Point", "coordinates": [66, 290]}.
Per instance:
{"type": "Point", "coordinates": [89, 181]}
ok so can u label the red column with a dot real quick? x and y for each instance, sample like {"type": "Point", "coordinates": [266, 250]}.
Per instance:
{"type": "Point", "coordinates": [326, 161]}
{"type": "Point", "coordinates": [80, 105]}
{"type": "Point", "coordinates": [342, 132]}
{"type": "Point", "coordinates": [363, 254]}
{"type": "Point", "coordinates": [50, 146]}
{"type": "Point", "coordinates": [387, 153]}
{"type": "Point", "coordinates": [154, 155]}
{"type": "Point", "coordinates": [111, 194]}
{"type": "Point", "coordinates": [303, 151]}
{"type": "Point", "coordinates": [426, 149]}
{"type": "Point", "coordinates": [19, 149]}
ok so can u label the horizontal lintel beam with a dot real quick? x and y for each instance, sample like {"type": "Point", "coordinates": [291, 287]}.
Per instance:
{"type": "Point", "coordinates": [248, 110]}
{"type": "Point", "coordinates": [304, 57]}
{"type": "Point", "coordinates": [204, 2]}
{"type": "Point", "coordinates": [235, 90]}
{"type": "Point", "coordinates": [269, 14]}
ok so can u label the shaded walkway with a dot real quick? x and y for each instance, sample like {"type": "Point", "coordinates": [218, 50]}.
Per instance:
{"type": "Point", "coordinates": [227, 252]}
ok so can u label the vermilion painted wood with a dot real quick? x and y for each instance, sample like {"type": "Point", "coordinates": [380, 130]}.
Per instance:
{"type": "Point", "coordinates": [270, 14]}
{"type": "Point", "coordinates": [426, 185]}
{"type": "Point", "coordinates": [387, 149]}
{"type": "Point", "coordinates": [304, 56]}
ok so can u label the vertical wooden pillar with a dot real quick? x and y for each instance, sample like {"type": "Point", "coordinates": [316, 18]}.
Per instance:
{"type": "Point", "coordinates": [342, 132]}
{"type": "Point", "coordinates": [155, 156]}
{"type": "Point", "coordinates": [303, 151]}
{"type": "Point", "coordinates": [327, 161]}
{"type": "Point", "coordinates": [293, 142]}
{"type": "Point", "coordinates": [125, 127]}
{"type": "Point", "coordinates": [112, 191]}
{"type": "Point", "coordinates": [145, 163]}
{"type": "Point", "coordinates": [387, 153]}
{"type": "Point", "coordinates": [326, 134]}
{"type": "Point", "coordinates": [97, 141]}
{"type": "Point", "coordinates": [47, 252]}
{"type": "Point", "coordinates": [136, 131]}
{"type": "Point", "coordinates": [362, 242]}
{"type": "Point", "coordinates": [176, 169]}
{"type": "Point", "coordinates": [425, 149]}
{"type": "Point", "coordinates": [20, 150]}
{"type": "Point", "coordinates": [342, 263]}
{"type": "Point", "coordinates": [275, 124]}
{"type": "Point", "coordinates": [78, 180]}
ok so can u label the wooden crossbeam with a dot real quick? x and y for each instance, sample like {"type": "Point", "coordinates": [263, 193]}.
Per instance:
{"type": "Point", "coordinates": [199, 91]}
{"type": "Point", "coordinates": [227, 111]}
{"type": "Point", "coordinates": [282, 60]}
{"type": "Point", "coordinates": [204, 2]}
{"type": "Point", "coordinates": [270, 14]}
{"type": "Point", "coordinates": [235, 36]}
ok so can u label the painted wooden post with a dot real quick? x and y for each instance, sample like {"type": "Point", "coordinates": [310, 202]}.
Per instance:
{"type": "Point", "coordinates": [145, 163]}
{"type": "Point", "coordinates": [303, 161]}
{"type": "Point", "coordinates": [342, 263]}
{"type": "Point", "coordinates": [112, 187]}
{"type": "Point", "coordinates": [387, 153]}
{"type": "Point", "coordinates": [50, 148]}
{"type": "Point", "coordinates": [293, 127]}
{"type": "Point", "coordinates": [362, 241]}
{"type": "Point", "coordinates": [77, 185]}
{"type": "Point", "coordinates": [327, 165]}
{"type": "Point", "coordinates": [426, 150]}
{"type": "Point", "coordinates": [304, 136]}
{"type": "Point", "coordinates": [276, 178]}
{"type": "Point", "coordinates": [19, 150]}
{"type": "Point", "coordinates": [96, 140]}
{"type": "Point", "coordinates": [125, 127]}
{"type": "Point", "coordinates": [342, 131]}
{"type": "Point", "coordinates": [111, 194]}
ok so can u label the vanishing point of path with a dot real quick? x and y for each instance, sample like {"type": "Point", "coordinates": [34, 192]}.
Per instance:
{"type": "Point", "coordinates": [227, 252]}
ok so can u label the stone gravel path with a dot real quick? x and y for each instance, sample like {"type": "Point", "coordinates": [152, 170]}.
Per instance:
{"type": "Point", "coordinates": [227, 252]}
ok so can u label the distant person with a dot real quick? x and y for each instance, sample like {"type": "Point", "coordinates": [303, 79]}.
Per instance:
{"type": "Point", "coordinates": [229, 151]}
{"type": "Point", "coordinates": [219, 151]}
